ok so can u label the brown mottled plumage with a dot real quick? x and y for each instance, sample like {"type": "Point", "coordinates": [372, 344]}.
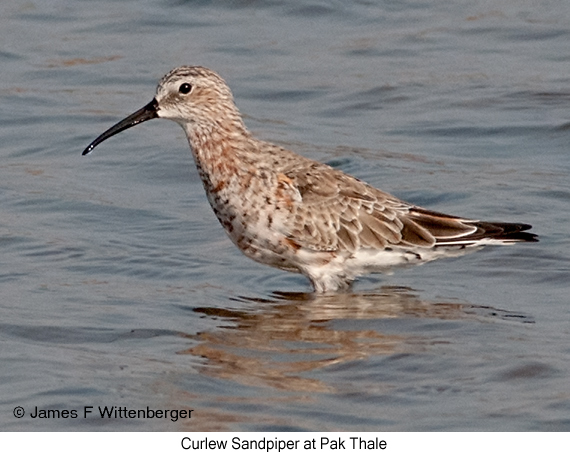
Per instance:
{"type": "Point", "coordinates": [294, 213]}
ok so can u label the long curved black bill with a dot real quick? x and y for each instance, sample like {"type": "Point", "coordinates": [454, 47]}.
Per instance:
{"type": "Point", "coordinates": [149, 111]}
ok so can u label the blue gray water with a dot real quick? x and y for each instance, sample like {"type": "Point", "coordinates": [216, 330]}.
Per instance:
{"type": "Point", "coordinates": [119, 288]}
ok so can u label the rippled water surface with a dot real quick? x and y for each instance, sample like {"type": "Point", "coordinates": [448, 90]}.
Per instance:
{"type": "Point", "coordinates": [119, 288]}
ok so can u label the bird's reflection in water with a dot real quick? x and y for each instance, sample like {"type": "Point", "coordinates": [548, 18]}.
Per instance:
{"type": "Point", "coordinates": [272, 342]}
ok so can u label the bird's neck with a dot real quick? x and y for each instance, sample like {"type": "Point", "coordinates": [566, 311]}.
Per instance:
{"type": "Point", "coordinates": [219, 150]}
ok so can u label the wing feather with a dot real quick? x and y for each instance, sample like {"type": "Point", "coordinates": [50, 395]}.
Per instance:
{"type": "Point", "coordinates": [341, 213]}
{"type": "Point", "coordinates": [332, 211]}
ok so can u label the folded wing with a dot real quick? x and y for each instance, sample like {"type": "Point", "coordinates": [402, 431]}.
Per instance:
{"type": "Point", "coordinates": [341, 213]}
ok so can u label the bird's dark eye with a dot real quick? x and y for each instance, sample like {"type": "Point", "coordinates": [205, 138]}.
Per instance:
{"type": "Point", "coordinates": [185, 88]}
